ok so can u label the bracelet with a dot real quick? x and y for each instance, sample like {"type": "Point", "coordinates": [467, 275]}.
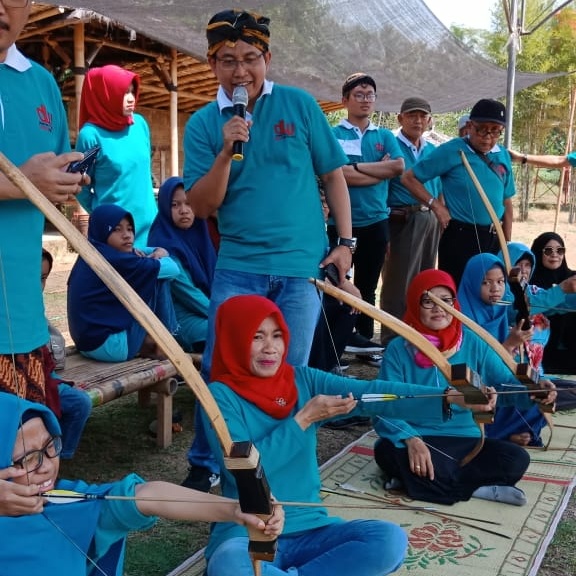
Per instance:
{"type": "Point", "coordinates": [524, 158]}
{"type": "Point", "coordinates": [431, 201]}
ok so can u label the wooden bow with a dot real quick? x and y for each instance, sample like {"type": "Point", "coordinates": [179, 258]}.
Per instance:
{"type": "Point", "coordinates": [241, 458]}
{"type": "Point", "coordinates": [459, 375]}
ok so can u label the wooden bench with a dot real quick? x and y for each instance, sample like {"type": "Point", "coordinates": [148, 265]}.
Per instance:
{"type": "Point", "coordinates": [106, 381]}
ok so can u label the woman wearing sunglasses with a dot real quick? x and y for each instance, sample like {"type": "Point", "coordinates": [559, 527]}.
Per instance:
{"type": "Point", "coordinates": [552, 269]}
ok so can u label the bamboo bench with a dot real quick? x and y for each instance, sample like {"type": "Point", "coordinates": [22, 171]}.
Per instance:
{"type": "Point", "coordinates": [106, 381]}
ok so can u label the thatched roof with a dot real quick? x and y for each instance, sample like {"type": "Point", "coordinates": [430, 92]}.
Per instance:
{"type": "Point", "coordinates": [315, 45]}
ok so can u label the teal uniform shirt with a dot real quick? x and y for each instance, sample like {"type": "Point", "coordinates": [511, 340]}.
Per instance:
{"type": "Point", "coordinates": [369, 203]}
{"type": "Point", "coordinates": [398, 195]}
{"type": "Point", "coordinates": [32, 121]}
{"type": "Point", "coordinates": [572, 158]}
{"type": "Point", "coordinates": [460, 195]}
{"type": "Point", "coordinates": [288, 453]}
{"type": "Point", "coordinates": [271, 219]}
{"type": "Point", "coordinates": [398, 364]}
{"type": "Point", "coordinates": [122, 173]}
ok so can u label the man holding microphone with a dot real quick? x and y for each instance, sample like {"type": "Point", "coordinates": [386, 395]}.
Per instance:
{"type": "Point", "coordinates": [269, 211]}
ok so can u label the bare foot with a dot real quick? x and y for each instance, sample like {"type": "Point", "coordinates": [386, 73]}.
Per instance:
{"type": "Point", "coordinates": [522, 439]}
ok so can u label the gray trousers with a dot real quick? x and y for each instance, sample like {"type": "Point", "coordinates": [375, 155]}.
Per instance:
{"type": "Point", "coordinates": [413, 247]}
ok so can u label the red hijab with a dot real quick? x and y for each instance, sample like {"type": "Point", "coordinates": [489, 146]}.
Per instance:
{"type": "Point", "coordinates": [451, 336]}
{"type": "Point", "coordinates": [102, 100]}
{"type": "Point", "coordinates": [237, 321]}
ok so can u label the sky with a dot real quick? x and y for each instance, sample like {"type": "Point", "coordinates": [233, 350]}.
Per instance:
{"type": "Point", "coordinates": [466, 13]}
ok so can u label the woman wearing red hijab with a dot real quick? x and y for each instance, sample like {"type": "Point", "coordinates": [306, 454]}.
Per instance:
{"type": "Point", "coordinates": [279, 408]}
{"type": "Point", "coordinates": [122, 173]}
{"type": "Point", "coordinates": [425, 460]}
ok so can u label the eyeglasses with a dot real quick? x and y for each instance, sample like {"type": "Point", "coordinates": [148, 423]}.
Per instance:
{"type": "Point", "coordinates": [492, 132]}
{"type": "Point", "coordinates": [232, 64]}
{"type": "Point", "coordinates": [32, 460]}
{"type": "Point", "coordinates": [361, 97]}
{"type": "Point", "coordinates": [550, 250]}
{"type": "Point", "coordinates": [15, 3]}
{"type": "Point", "coordinates": [428, 304]}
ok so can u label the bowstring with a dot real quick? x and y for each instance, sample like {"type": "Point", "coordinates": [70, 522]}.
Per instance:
{"type": "Point", "coordinates": [12, 354]}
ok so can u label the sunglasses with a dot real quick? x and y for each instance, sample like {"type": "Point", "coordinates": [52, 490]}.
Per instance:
{"type": "Point", "coordinates": [549, 251]}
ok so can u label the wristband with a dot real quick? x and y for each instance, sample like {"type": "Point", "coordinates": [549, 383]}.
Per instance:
{"type": "Point", "coordinates": [524, 158]}
{"type": "Point", "coordinates": [431, 201]}
{"type": "Point", "coordinates": [355, 166]}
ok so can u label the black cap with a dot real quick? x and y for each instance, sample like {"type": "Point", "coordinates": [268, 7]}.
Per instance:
{"type": "Point", "coordinates": [412, 104]}
{"type": "Point", "coordinates": [487, 110]}
{"type": "Point", "coordinates": [355, 80]}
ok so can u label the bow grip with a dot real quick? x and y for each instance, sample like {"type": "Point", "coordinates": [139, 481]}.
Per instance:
{"type": "Point", "coordinates": [254, 495]}
{"type": "Point", "coordinates": [469, 383]}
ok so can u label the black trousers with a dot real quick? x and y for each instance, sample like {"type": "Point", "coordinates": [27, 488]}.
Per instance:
{"type": "Point", "coordinates": [368, 261]}
{"type": "Point", "coordinates": [499, 463]}
{"type": "Point", "coordinates": [459, 242]}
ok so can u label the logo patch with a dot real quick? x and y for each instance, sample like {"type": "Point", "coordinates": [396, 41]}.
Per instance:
{"type": "Point", "coordinates": [44, 118]}
{"type": "Point", "coordinates": [284, 130]}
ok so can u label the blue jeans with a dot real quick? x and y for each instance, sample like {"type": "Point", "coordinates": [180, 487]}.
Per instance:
{"type": "Point", "coordinates": [75, 406]}
{"type": "Point", "coordinates": [300, 304]}
{"type": "Point", "coordinates": [359, 547]}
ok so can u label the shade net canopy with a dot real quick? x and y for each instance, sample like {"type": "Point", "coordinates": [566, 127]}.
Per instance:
{"type": "Point", "coordinates": [315, 44]}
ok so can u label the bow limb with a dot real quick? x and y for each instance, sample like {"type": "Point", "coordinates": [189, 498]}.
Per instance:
{"type": "Point", "coordinates": [241, 458]}
{"type": "Point", "coordinates": [490, 210]}
{"type": "Point", "coordinates": [459, 375]}
{"type": "Point", "coordinates": [523, 372]}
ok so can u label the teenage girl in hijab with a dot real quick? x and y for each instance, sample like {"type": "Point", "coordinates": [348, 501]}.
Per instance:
{"type": "Point", "coordinates": [122, 173]}
{"type": "Point", "coordinates": [279, 408]}
{"type": "Point", "coordinates": [100, 326]}
{"type": "Point", "coordinates": [187, 239]}
{"type": "Point", "coordinates": [426, 460]}
{"type": "Point", "coordinates": [483, 293]}
{"type": "Point", "coordinates": [85, 537]}
{"type": "Point", "coordinates": [552, 270]}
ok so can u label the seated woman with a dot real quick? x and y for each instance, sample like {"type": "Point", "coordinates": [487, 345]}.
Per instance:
{"type": "Point", "coordinates": [551, 269]}
{"type": "Point", "coordinates": [83, 537]}
{"type": "Point", "coordinates": [100, 326]}
{"type": "Point", "coordinates": [425, 459]}
{"type": "Point", "coordinates": [279, 408]}
{"type": "Point", "coordinates": [73, 406]}
{"type": "Point", "coordinates": [482, 291]}
{"type": "Point", "coordinates": [187, 239]}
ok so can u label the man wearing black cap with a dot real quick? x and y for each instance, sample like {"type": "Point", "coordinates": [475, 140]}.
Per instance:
{"type": "Point", "coordinates": [414, 231]}
{"type": "Point", "coordinates": [468, 228]}
{"type": "Point", "coordinates": [273, 235]}
{"type": "Point", "coordinates": [374, 157]}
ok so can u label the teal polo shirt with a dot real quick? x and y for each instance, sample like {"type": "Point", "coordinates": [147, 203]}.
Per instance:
{"type": "Point", "coordinates": [271, 220]}
{"type": "Point", "coordinates": [399, 195]}
{"type": "Point", "coordinates": [369, 203]}
{"type": "Point", "coordinates": [460, 195]}
{"type": "Point", "coordinates": [32, 121]}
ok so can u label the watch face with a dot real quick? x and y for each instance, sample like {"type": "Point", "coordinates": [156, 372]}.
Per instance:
{"type": "Point", "coordinates": [349, 242]}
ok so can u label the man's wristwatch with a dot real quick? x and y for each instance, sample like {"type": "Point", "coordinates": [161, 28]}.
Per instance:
{"type": "Point", "coordinates": [348, 242]}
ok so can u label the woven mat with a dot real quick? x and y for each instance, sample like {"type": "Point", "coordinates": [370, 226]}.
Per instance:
{"type": "Point", "coordinates": [447, 546]}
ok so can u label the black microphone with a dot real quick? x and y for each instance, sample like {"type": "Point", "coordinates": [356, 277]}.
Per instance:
{"type": "Point", "coordinates": [239, 103]}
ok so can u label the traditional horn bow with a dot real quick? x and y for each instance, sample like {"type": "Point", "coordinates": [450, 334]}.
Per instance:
{"type": "Point", "coordinates": [459, 375]}
{"type": "Point", "coordinates": [241, 458]}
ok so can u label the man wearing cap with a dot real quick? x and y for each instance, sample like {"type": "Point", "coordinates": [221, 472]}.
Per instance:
{"type": "Point", "coordinates": [468, 228]}
{"type": "Point", "coordinates": [414, 230]}
{"type": "Point", "coordinates": [273, 235]}
{"type": "Point", "coordinates": [374, 157]}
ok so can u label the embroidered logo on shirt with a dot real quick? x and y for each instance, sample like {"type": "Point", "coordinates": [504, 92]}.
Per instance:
{"type": "Point", "coordinates": [281, 401]}
{"type": "Point", "coordinates": [379, 147]}
{"type": "Point", "coordinates": [44, 118]}
{"type": "Point", "coordinates": [284, 130]}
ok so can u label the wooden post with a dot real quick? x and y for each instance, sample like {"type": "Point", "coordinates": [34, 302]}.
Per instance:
{"type": "Point", "coordinates": [174, 151]}
{"type": "Point", "coordinates": [79, 68]}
